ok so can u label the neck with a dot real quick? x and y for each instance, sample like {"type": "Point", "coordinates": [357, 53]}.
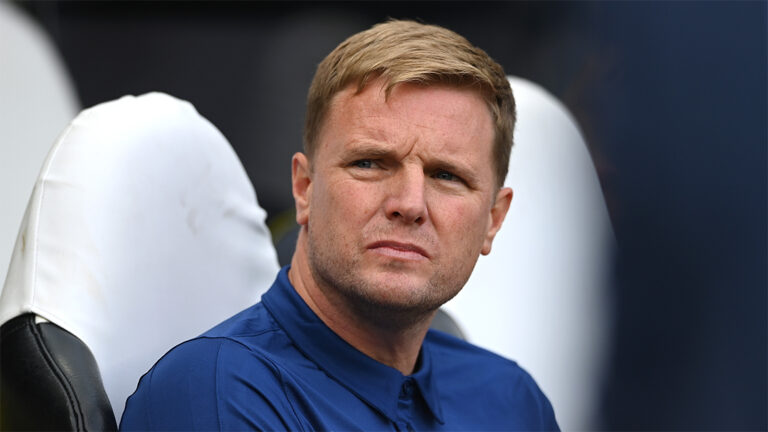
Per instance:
{"type": "Point", "coordinates": [387, 339]}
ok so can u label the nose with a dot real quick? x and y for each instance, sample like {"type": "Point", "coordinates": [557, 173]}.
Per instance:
{"type": "Point", "coordinates": [405, 200]}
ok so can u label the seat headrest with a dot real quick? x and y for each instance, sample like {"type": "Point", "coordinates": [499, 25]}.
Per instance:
{"type": "Point", "coordinates": [539, 296]}
{"type": "Point", "coordinates": [37, 100]}
{"type": "Point", "coordinates": [143, 230]}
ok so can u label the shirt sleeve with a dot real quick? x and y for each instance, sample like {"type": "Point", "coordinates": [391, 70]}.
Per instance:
{"type": "Point", "coordinates": [210, 384]}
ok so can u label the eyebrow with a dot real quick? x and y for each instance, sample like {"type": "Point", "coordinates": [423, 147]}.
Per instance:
{"type": "Point", "coordinates": [368, 150]}
{"type": "Point", "coordinates": [357, 147]}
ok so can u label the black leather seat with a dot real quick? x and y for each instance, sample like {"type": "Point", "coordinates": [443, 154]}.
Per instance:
{"type": "Point", "coordinates": [49, 380]}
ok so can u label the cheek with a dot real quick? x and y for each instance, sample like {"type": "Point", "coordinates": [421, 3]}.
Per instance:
{"type": "Point", "coordinates": [345, 202]}
{"type": "Point", "coordinates": [457, 212]}
{"type": "Point", "coordinates": [460, 221]}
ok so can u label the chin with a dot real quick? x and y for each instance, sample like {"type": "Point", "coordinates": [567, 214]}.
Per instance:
{"type": "Point", "coordinates": [399, 293]}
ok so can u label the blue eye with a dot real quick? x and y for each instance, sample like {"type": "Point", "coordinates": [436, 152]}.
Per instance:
{"type": "Point", "coordinates": [363, 163]}
{"type": "Point", "coordinates": [445, 175]}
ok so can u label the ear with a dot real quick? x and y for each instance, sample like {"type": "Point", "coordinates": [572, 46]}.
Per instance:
{"type": "Point", "coordinates": [301, 181]}
{"type": "Point", "coordinates": [496, 216]}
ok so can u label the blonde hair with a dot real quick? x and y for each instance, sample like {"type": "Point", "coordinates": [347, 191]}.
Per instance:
{"type": "Point", "coordinates": [410, 52]}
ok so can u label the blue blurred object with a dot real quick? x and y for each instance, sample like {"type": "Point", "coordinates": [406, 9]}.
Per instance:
{"type": "Point", "coordinates": [684, 124]}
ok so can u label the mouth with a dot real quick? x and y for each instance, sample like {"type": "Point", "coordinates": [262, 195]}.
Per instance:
{"type": "Point", "coordinates": [401, 250]}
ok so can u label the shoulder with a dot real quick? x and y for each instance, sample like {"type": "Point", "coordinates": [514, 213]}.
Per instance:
{"type": "Point", "coordinates": [244, 339]}
{"type": "Point", "coordinates": [223, 379]}
{"type": "Point", "coordinates": [252, 321]}
{"type": "Point", "coordinates": [495, 381]}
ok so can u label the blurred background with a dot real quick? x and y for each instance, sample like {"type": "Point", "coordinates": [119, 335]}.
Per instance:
{"type": "Point", "coordinates": [670, 97]}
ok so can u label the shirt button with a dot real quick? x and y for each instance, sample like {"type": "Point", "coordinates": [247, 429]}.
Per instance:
{"type": "Point", "coordinates": [407, 389]}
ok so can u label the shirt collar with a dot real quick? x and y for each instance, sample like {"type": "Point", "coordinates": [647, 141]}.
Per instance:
{"type": "Point", "coordinates": [376, 383]}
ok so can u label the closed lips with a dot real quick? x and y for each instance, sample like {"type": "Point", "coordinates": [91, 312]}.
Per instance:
{"type": "Point", "coordinates": [398, 246]}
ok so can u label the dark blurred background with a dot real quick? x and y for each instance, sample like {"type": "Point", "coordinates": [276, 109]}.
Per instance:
{"type": "Point", "coordinates": [671, 97]}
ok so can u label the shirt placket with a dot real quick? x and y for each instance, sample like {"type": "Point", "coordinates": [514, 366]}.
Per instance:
{"type": "Point", "coordinates": [405, 406]}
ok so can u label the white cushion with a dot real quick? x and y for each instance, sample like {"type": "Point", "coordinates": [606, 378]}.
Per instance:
{"type": "Point", "coordinates": [539, 296]}
{"type": "Point", "coordinates": [37, 100]}
{"type": "Point", "coordinates": [143, 230]}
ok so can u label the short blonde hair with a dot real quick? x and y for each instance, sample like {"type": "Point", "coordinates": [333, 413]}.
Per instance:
{"type": "Point", "coordinates": [410, 52]}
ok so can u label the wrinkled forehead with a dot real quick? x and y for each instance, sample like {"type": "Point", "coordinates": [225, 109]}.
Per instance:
{"type": "Point", "coordinates": [383, 93]}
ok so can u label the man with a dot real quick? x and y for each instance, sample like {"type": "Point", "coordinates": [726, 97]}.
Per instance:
{"type": "Point", "coordinates": [399, 190]}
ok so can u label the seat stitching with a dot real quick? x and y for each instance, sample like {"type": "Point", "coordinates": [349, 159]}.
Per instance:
{"type": "Point", "coordinates": [63, 380]}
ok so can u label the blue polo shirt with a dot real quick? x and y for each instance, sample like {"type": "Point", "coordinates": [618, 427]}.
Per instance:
{"type": "Point", "coordinates": [276, 366]}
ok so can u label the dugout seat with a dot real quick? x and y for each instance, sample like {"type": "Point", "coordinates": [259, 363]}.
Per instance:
{"type": "Point", "coordinates": [540, 296]}
{"type": "Point", "coordinates": [37, 100]}
{"type": "Point", "coordinates": [143, 230]}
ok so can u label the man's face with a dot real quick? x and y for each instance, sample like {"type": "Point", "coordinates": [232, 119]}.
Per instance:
{"type": "Point", "coordinates": [401, 195]}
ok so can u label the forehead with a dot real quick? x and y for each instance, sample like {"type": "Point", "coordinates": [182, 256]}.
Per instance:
{"type": "Point", "coordinates": [445, 119]}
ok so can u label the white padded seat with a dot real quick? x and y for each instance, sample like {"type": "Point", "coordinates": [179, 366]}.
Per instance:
{"type": "Point", "coordinates": [539, 297]}
{"type": "Point", "coordinates": [143, 230]}
{"type": "Point", "coordinates": [37, 100]}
